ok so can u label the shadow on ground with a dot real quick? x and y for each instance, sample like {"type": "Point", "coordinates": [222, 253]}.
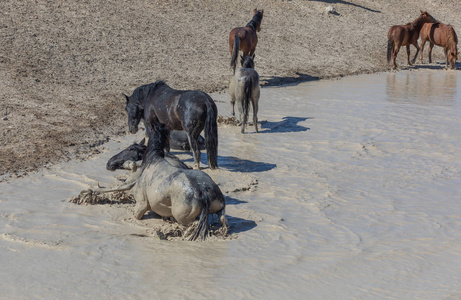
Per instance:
{"type": "Point", "coordinates": [288, 124]}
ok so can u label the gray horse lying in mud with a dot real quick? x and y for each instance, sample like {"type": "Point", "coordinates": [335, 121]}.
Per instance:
{"type": "Point", "coordinates": [127, 159]}
{"type": "Point", "coordinates": [243, 88]}
{"type": "Point", "coordinates": [169, 191]}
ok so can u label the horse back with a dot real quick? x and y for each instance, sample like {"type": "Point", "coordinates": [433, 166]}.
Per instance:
{"type": "Point", "coordinates": [403, 34]}
{"type": "Point", "coordinates": [248, 38]}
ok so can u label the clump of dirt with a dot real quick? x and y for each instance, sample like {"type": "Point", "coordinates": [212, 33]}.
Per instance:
{"type": "Point", "coordinates": [90, 197]}
{"type": "Point", "coordinates": [173, 231]}
{"type": "Point", "coordinates": [223, 120]}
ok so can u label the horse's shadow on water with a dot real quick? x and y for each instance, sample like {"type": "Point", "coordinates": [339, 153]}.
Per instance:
{"type": "Point", "coordinates": [233, 201]}
{"type": "Point", "coordinates": [288, 124]}
{"type": "Point", "coordinates": [280, 81]}
{"type": "Point", "coordinates": [236, 225]}
{"type": "Point", "coordinates": [235, 164]}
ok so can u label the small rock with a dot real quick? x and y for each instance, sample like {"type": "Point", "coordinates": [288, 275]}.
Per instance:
{"type": "Point", "coordinates": [330, 10]}
{"type": "Point", "coordinates": [5, 119]}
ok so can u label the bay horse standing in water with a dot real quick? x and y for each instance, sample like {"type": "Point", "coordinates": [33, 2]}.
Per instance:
{"type": "Point", "coordinates": [441, 35]}
{"type": "Point", "coordinates": [406, 35]}
{"type": "Point", "coordinates": [191, 111]}
{"type": "Point", "coordinates": [243, 89]}
{"type": "Point", "coordinates": [245, 38]}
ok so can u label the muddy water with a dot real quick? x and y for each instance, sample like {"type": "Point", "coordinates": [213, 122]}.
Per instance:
{"type": "Point", "coordinates": [358, 197]}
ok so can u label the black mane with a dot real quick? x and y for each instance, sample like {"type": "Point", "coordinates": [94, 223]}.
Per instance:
{"type": "Point", "coordinates": [142, 91]}
{"type": "Point", "coordinates": [253, 24]}
{"type": "Point", "coordinates": [157, 142]}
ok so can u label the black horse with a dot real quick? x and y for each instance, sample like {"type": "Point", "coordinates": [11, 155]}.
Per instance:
{"type": "Point", "coordinates": [191, 111]}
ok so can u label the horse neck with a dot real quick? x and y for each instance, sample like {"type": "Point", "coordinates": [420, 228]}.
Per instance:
{"type": "Point", "coordinates": [452, 40]}
{"type": "Point", "coordinates": [418, 23]}
{"type": "Point", "coordinates": [154, 151]}
{"type": "Point", "coordinates": [252, 25]}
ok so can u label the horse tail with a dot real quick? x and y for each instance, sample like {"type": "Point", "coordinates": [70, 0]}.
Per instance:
{"type": "Point", "coordinates": [235, 52]}
{"type": "Point", "coordinates": [247, 90]}
{"type": "Point", "coordinates": [211, 135]}
{"type": "Point", "coordinates": [202, 228]}
{"type": "Point", "coordinates": [390, 47]}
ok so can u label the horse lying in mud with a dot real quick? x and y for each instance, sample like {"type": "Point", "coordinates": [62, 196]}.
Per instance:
{"type": "Point", "coordinates": [127, 158]}
{"type": "Point", "coordinates": [243, 89]}
{"type": "Point", "coordinates": [191, 111]}
{"type": "Point", "coordinates": [441, 35]}
{"type": "Point", "coordinates": [174, 192]}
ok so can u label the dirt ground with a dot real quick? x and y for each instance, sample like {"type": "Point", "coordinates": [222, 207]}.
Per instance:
{"type": "Point", "coordinates": [64, 65]}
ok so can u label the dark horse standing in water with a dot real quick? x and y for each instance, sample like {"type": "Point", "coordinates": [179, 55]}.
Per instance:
{"type": "Point", "coordinates": [441, 35]}
{"type": "Point", "coordinates": [406, 35]}
{"type": "Point", "coordinates": [191, 111]}
{"type": "Point", "coordinates": [245, 38]}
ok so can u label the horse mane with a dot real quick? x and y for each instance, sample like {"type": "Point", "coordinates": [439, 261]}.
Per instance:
{"type": "Point", "coordinates": [417, 22]}
{"type": "Point", "coordinates": [253, 24]}
{"type": "Point", "coordinates": [156, 144]}
{"type": "Point", "coordinates": [451, 35]}
{"type": "Point", "coordinates": [141, 92]}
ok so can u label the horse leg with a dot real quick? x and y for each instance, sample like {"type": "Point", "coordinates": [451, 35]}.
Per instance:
{"type": "Point", "coordinates": [222, 218]}
{"type": "Point", "coordinates": [142, 206]}
{"type": "Point", "coordinates": [243, 116]}
{"type": "Point", "coordinates": [417, 51]}
{"type": "Point", "coordinates": [194, 145]}
{"type": "Point", "coordinates": [394, 56]}
{"type": "Point", "coordinates": [445, 51]}
{"type": "Point", "coordinates": [408, 55]}
{"type": "Point", "coordinates": [431, 45]}
{"type": "Point", "coordinates": [423, 41]}
{"type": "Point", "coordinates": [255, 113]}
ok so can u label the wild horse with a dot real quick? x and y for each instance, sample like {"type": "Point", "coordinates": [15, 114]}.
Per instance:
{"type": "Point", "coordinates": [245, 38]}
{"type": "Point", "coordinates": [441, 35]}
{"type": "Point", "coordinates": [406, 35]}
{"type": "Point", "coordinates": [173, 192]}
{"type": "Point", "coordinates": [243, 89]}
{"type": "Point", "coordinates": [191, 111]}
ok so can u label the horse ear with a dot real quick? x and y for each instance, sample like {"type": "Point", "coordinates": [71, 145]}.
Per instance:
{"type": "Point", "coordinates": [255, 11]}
{"type": "Point", "coordinates": [143, 141]}
{"type": "Point", "coordinates": [253, 56]}
{"type": "Point", "coordinates": [262, 12]}
{"type": "Point", "coordinates": [127, 98]}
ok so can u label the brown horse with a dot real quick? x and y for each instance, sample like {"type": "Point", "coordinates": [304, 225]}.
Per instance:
{"type": "Point", "coordinates": [245, 38]}
{"type": "Point", "coordinates": [441, 35]}
{"type": "Point", "coordinates": [406, 35]}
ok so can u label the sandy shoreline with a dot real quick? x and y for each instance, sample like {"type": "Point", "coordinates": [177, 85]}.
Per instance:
{"type": "Point", "coordinates": [64, 66]}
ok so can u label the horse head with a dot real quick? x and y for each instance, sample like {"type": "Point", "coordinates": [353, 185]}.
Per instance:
{"type": "Point", "coordinates": [453, 57]}
{"type": "Point", "coordinates": [133, 153]}
{"type": "Point", "coordinates": [248, 61]}
{"type": "Point", "coordinates": [134, 112]}
{"type": "Point", "coordinates": [426, 17]}
{"type": "Point", "coordinates": [259, 15]}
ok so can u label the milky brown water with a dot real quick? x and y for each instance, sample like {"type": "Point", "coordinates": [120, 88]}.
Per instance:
{"type": "Point", "coordinates": [358, 197]}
